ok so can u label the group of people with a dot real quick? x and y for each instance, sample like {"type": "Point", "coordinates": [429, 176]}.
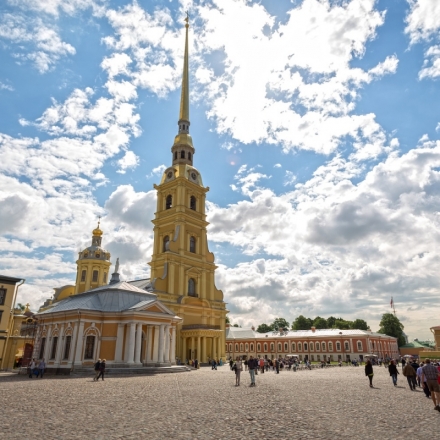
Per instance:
{"type": "Point", "coordinates": [36, 370]}
{"type": "Point", "coordinates": [99, 370]}
{"type": "Point", "coordinates": [425, 375]}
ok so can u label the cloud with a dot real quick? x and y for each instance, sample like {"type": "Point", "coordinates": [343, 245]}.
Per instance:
{"type": "Point", "coordinates": [289, 178]}
{"type": "Point", "coordinates": [4, 86]}
{"type": "Point", "coordinates": [128, 161]}
{"type": "Point", "coordinates": [157, 171]}
{"type": "Point", "coordinates": [423, 19]}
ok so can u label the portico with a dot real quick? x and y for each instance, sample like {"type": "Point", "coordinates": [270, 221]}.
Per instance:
{"type": "Point", "coordinates": [201, 344]}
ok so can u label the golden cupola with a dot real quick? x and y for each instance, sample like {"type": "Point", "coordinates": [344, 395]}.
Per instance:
{"type": "Point", "coordinates": [93, 264]}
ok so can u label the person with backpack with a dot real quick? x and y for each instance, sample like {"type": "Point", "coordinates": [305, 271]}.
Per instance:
{"type": "Point", "coordinates": [101, 370]}
{"type": "Point", "coordinates": [97, 367]}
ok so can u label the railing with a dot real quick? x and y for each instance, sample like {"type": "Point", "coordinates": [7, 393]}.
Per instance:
{"type": "Point", "coordinates": [201, 326]}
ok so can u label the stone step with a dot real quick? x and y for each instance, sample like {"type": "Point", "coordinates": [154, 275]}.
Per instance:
{"type": "Point", "coordinates": [130, 371]}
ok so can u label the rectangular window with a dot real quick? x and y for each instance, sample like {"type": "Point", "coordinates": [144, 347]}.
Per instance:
{"type": "Point", "coordinates": [83, 276]}
{"type": "Point", "coordinates": [258, 347]}
{"type": "Point", "coordinates": [265, 347]}
{"type": "Point", "coordinates": [95, 276]}
{"type": "Point", "coordinates": [43, 344]}
{"type": "Point", "coordinates": [54, 347]}
{"type": "Point", "coordinates": [347, 346]}
{"type": "Point", "coordinates": [1, 313]}
{"type": "Point", "coordinates": [323, 346]}
{"type": "Point", "coordinates": [2, 296]}
{"type": "Point", "coordinates": [293, 347]}
{"type": "Point", "coordinates": [330, 346]}
{"type": "Point", "coordinates": [90, 346]}
{"type": "Point", "coordinates": [286, 347]}
{"type": "Point", "coordinates": [338, 346]}
{"type": "Point", "coordinates": [67, 347]}
{"type": "Point", "coordinates": [305, 346]}
{"type": "Point", "coordinates": [299, 346]}
{"type": "Point", "coordinates": [359, 344]}
{"type": "Point", "coordinates": [279, 346]}
{"type": "Point", "coordinates": [312, 346]}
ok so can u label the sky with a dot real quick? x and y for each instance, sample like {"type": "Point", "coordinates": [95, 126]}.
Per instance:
{"type": "Point", "coordinates": [316, 125]}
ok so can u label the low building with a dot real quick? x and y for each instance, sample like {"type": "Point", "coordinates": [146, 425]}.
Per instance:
{"type": "Point", "coordinates": [414, 348]}
{"type": "Point", "coordinates": [435, 353]}
{"type": "Point", "coordinates": [312, 345]}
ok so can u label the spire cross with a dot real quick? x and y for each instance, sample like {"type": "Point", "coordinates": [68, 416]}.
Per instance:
{"type": "Point", "coordinates": [99, 221]}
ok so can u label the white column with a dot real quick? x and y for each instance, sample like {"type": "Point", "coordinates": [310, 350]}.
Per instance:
{"type": "Point", "coordinates": [60, 344]}
{"type": "Point", "coordinates": [167, 344]}
{"type": "Point", "coordinates": [79, 344]}
{"type": "Point", "coordinates": [131, 337]}
{"type": "Point", "coordinates": [137, 350]}
{"type": "Point", "coordinates": [119, 343]}
{"type": "Point", "coordinates": [161, 342]}
{"type": "Point", "coordinates": [173, 345]}
{"type": "Point", "coordinates": [156, 344]}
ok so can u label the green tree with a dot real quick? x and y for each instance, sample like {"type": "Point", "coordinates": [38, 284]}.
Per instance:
{"type": "Point", "coordinates": [302, 323]}
{"type": "Point", "coordinates": [359, 324]}
{"type": "Point", "coordinates": [343, 324]}
{"type": "Point", "coordinates": [331, 322]}
{"type": "Point", "coordinates": [21, 307]}
{"type": "Point", "coordinates": [228, 320]}
{"type": "Point", "coordinates": [280, 323]}
{"type": "Point", "coordinates": [391, 326]}
{"type": "Point", "coordinates": [320, 323]}
{"type": "Point", "coordinates": [235, 325]}
{"type": "Point", "coordinates": [264, 328]}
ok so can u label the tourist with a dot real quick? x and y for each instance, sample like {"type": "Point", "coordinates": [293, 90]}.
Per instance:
{"type": "Point", "coordinates": [369, 372]}
{"type": "Point", "coordinates": [262, 365]}
{"type": "Point", "coordinates": [238, 370]}
{"type": "Point", "coordinates": [213, 365]}
{"type": "Point", "coordinates": [410, 374]}
{"type": "Point", "coordinates": [101, 370]}
{"type": "Point", "coordinates": [97, 365]}
{"type": "Point", "coordinates": [431, 374]}
{"type": "Point", "coordinates": [277, 366]}
{"type": "Point", "coordinates": [231, 362]}
{"type": "Point", "coordinates": [423, 381]}
{"type": "Point", "coordinates": [252, 365]}
{"type": "Point", "coordinates": [245, 364]}
{"type": "Point", "coordinates": [31, 367]}
{"type": "Point", "coordinates": [393, 372]}
{"type": "Point", "coordinates": [41, 368]}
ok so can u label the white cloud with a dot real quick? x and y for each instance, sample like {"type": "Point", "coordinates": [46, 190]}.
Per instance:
{"type": "Point", "coordinates": [157, 171]}
{"type": "Point", "coordinates": [431, 63]}
{"type": "Point", "coordinates": [4, 86]}
{"type": "Point", "coordinates": [289, 178]}
{"type": "Point", "coordinates": [277, 165]}
{"type": "Point", "coordinates": [423, 20]}
{"type": "Point", "coordinates": [128, 161]}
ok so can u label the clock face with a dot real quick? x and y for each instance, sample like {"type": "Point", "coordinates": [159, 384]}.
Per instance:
{"type": "Point", "coordinates": [193, 176]}
{"type": "Point", "coordinates": [170, 174]}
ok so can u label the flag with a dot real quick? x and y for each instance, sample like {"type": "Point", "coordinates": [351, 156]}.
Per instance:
{"type": "Point", "coordinates": [391, 303]}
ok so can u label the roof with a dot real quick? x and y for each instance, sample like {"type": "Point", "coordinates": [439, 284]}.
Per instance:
{"type": "Point", "coordinates": [417, 344]}
{"type": "Point", "coordinates": [246, 333]}
{"type": "Point", "coordinates": [9, 280]}
{"type": "Point", "coordinates": [109, 298]}
{"type": "Point", "coordinates": [144, 284]}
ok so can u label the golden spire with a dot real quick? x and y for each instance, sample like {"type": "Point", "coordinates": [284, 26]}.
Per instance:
{"type": "Point", "coordinates": [184, 97]}
{"type": "Point", "coordinates": [97, 232]}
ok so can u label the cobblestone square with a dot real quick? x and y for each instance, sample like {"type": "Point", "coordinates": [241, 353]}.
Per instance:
{"type": "Point", "coordinates": [318, 404]}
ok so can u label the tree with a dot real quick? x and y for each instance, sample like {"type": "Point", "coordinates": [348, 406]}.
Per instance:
{"type": "Point", "coordinates": [320, 323]}
{"type": "Point", "coordinates": [235, 325]}
{"type": "Point", "coordinates": [391, 326]}
{"type": "Point", "coordinates": [280, 323]}
{"type": "Point", "coordinates": [228, 320]}
{"type": "Point", "coordinates": [302, 323]}
{"type": "Point", "coordinates": [264, 328]}
{"type": "Point", "coordinates": [343, 324]}
{"type": "Point", "coordinates": [331, 322]}
{"type": "Point", "coordinates": [21, 307]}
{"type": "Point", "coordinates": [359, 324]}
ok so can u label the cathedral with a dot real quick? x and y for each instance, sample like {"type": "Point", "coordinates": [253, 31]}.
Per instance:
{"type": "Point", "coordinates": [176, 315]}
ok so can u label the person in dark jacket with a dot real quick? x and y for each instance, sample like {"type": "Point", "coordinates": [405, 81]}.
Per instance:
{"type": "Point", "coordinates": [101, 370]}
{"type": "Point", "coordinates": [410, 374]}
{"type": "Point", "coordinates": [97, 366]}
{"type": "Point", "coordinates": [252, 365]}
{"type": "Point", "coordinates": [369, 372]}
{"type": "Point", "coordinates": [393, 372]}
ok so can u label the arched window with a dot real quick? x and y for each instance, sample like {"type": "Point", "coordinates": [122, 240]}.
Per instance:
{"type": "Point", "coordinates": [279, 346]}
{"type": "Point", "coordinates": [189, 156]}
{"type": "Point", "coordinates": [330, 346]}
{"type": "Point", "coordinates": [258, 347]}
{"type": "Point", "coordinates": [265, 347]}
{"type": "Point", "coordinates": [83, 276]}
{"type": "Point", "coordinates": [323, 346]}
{"type": "Point", "coordinates": [230, 347]}
{"type": "Point", "coordinates": [169, 201]}
{"type": "Point", "coordinates": [286, 346]}
{"type": "Point", "coordinates": [175, 155]}
{"type": "Point", "coordinates": [67, 347]}
{"type": "Point", "coordinates": [90, 347]}
{"type": "Point", "coordinates": [182, 154]}
{"type": "Point", "coordinates": [42, 347]}
{"type": "Point", "coordinates": [241, 347]}
{"type": "Point", "coordinates": [192, 203]}
{"type": "Point", "coordinates": [236, 347]}
{"type": "Point", "coordinates": [312, 346]}
{"type": "Point", "coordinates": [192, 245]}
{"type": "Point", "coordinates": [104, 278]}
{"type": "Point", "coordinates": [338, 346]}
{"type": "Point", "coordinates": [359, 345]}
{"type": "Point", "coordinates": [299, 346]}
{"type": "Point", "coordinates": [166, 240]}
{"type": "Point", "coordinates": [95, 276]}
{"type": "Point", "coordinates": [346, 346]}
{"type": "Point", "coordinates": [252, 347]}
{"type": "Point", "coordinates": [293, 347]}
{"type": "Point", "coordinates": [305, 346]}
{"type": "Point", "coordinates": [246, 346]}
{"type": "Point", "coordinates": [191, 287]}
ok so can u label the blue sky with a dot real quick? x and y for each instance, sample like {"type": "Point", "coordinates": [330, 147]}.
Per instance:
{"type": "Point", "coordinates": [316, 127]}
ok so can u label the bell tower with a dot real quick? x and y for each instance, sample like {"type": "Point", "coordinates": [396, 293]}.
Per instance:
{"type": "Point", "coordinates": [182, 268]}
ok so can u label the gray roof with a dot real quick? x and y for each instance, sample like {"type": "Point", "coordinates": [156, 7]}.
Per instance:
{"type": "Point", "coordinates": [109, 298]}
{"type": "Point", "coordinates": [142, 284]}
{"type": "Point", "coordinates": [241, 333]}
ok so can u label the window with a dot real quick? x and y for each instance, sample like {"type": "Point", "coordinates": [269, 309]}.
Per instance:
{"type": "Point", "coordinates": [192, 203]}
{"type": "Point", "coordinates": [252, 347]}
{"type": "Point", "coordinates": [83, 276]}
{"type": "Point", "coordinates": [330, 346]}
{"type": "Point", "coordinates": [312, 346]}
{"type": "Point", "coordinates": [192, 245]}
{"type": "Point", "coordinates": [272, 347]}
{"type": "Point", "coordinates": [313, 357]}
{"type": "Point", "coordinates": [286, 346]}
{"type": "Point", "coordinates": [166, 240]}
{"type": "Point", "coordinates": [246, 346]}
{"type": "Point", "coordinates": [241, 347]}
{"type": "Point", "coordinates": [175, 155]}
{"type": "Point", "coordinates": [90, 346]}
{"type": "Point", "coordinates": [346, 346]}
{"type": "Point", "coordinates": [265, 347]}
{"type": "Point", "coordinates": [338, 346]}
{"type": "Point", "coordinates": [236, 347]}
{"type": "Point", "coordinates": [318, 357]}
{"type": "Point", "coordinates": [182, 154]}
{"type": "Point", "coordinates": [299, 346]}
{"type": "Point", "coordinates": [189, 156]}
{"type": "Point", "coordinates": [191, 287]}
{"type": "Point", "coordinates": [258, 347]}
{"type": "Point", "coordinates": [54, 347]}
{"type": "Point", "coordinates": [305, 346]}
{"type": "Point", "coordinates": [359, 345]}
{"type": "Point", "coordinates": [1, 313]}
{"type": "Point", "coordinates": [279, 346]}
{"type": "Point", "coordinates": [323, 346]}
{"type": "Point", "coordinates": [43, 345]}
{"type": "Point", "coordinates": [97, 255]}
{"type": "Point", "coordinates": [293, 347]}
{"type": "Point", "coordinates": [104, 278]}
{"type": "Point", "coordinates": [67, 347]}
{"type": "Point", "coordinates": [95, 276]}
{"type": "Point", "coordinates": [2, 296]}
{"type": "Point", "coordinates": [169, 201]}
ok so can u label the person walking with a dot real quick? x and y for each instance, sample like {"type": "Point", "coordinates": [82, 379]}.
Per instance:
{"type": "Point", "coordinates": [261, 362]}
{"type": "Point", "coordinates": [431, 374]}
{"type": "Point", "coordinates": [422, 384]}
{"type": "Point", "coordinates": [32, 367]}
{"type": "Point", "coordinates": [238, 370]}
{"type": "Point", "coordinates": [369, 372]}
{"type": "Point", "coordinates": [392, 369]}
{"type": "Point", "coordinates": [410, 374]}
{"type": "Point", "coordinates": [97, 371]}
{"type": "Point", "coordinates": [252, 365]}
{"type": "Point", "coordinates": [101, 370]}
{"type": "Point", "coordinates": [231, 362]}
{"type": "Point", "coordinates": [41, 368]}
{"type": "Point", "coordinates": [277, 366]}
{"type": "Point", "coordinates": [213, 365]}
